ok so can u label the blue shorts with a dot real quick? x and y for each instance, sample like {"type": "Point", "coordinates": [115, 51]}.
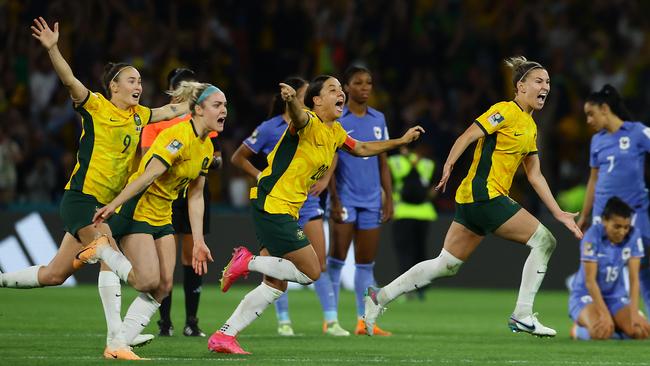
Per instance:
{"type": "Point", "coordinates": [365, 218]}
{"type": "Point", "coordinates": [309, 211]}
{"type": "Point", "coordinates": [577, 303]}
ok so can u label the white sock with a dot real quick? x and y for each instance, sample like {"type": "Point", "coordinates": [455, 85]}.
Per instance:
{"type": "Point", "coordinates": [135, 320]}
{"type": "Point", "coordinates": [117, 261]}
{"type": "Point", "coordinates": [419, 276]}
{"type": "Point", "coordinates": [279, 268]}
{"type": "Point", "coordinates": [541, 243]}
{"type": "Point", "coordinates": [24, 278]}
{"type": "Point", "coordinates": [250, 308]}
{"type": "Point", "coordinates": [110, 292]}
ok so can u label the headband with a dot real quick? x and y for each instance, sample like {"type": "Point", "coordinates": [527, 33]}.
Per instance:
{"type": "Point", "coordinates": [117, 73]}
{"type": "Point", "coordinates": [207, 92]}
{"type": "Point", "coordinates": [535, 66]}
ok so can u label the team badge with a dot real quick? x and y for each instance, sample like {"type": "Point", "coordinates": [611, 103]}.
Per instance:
{"type": "Point", "coordinates": [588, 249]}
{"type": "Point", "coordinates": [300, 234]}
{"type": "Point", "coordinates": [138, 122]}
{"type": "Point", "coordinates": [253, 137]}
{"type": "Point", "coordinates": [626, 253]}
{"type": "Point", "coordinates": [206, 164]}
{"type": "Point", "coordinates": [377, 131]}
{"type": "Point", "coordinates": [495, 119]}
{"type": "Point", "coordinates": [174, 146]}
{"type": "Point", "coordinates": [624, 143]}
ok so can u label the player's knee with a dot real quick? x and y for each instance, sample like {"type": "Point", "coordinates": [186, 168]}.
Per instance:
{"type": "Point", "coordinates": [451, 264]}
{"type": "Point", "coordinates": [147, 284]}
{"type": "Point", "coordinates": [542, 238]}
{"type": "Point", "coordinates": [307, 277]}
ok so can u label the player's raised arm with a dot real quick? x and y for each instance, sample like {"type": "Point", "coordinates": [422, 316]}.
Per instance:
{"type": "Point", "coordinates": [371, 148]}
{"type": "Point", "coordinates": [298, 117]}
{"type": "Point", "coordinates": [49, 38]}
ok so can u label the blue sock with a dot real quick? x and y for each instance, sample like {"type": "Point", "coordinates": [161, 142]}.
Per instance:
{"type": "Point", "coordinates": [363, 278]}
{"type": "Point", "coordinates": [325, 294]}
{"type": "Point", "coordinates": [282, 308]}
{"type": "Point", "coordinates": [334, 267]}
{"type": "Point", "coordinates": [582, 333]}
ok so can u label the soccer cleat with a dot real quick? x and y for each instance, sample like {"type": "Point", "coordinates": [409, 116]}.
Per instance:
{"type": "Point", "coordinates": [192, 328]}
{"type": "Point", "coordinates": [285, 330]}
{"type": "Point", "coordinates": [165, 328]}
{"type": "Point", "coordinates": [121, 354]}
{"type": "Point", "coordinates": [361, 330]}
{"type": "Point", "coordinates": [237, 267]}
{"type": "Point", "coordinates": [372, 312]}
{"type": "Point", "coordinates": [88, 254]}
{"type": "Point", "coordinates": [77, 264]}
{"type": "Point", "coordinates": [531, 325]}
{"type": "Point", "coordinates": [334, 329]}
{"type": "Point", "coordinates": [142, 340]}
{"type": "Point", "coordinates": [222, 343]}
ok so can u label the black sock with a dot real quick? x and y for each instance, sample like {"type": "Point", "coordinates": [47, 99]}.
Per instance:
{"type": "Point", "coordinates": [166, 309]}
{"type": "Point", "coordinates": [192, 285]}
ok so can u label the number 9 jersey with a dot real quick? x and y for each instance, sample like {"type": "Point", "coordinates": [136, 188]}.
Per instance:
{"type": "Point", "coordinates": [186, 156]}
{"type": "Point", "coordinates": [107, 147]}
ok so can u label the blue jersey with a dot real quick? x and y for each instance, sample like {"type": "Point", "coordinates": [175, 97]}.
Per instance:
{"type": "Point", "coordinates": [263, 140]}
{"type": "Point", "coordinates": [619, 158]}
{"type": "Point", "coordinates": [595, 247]}
{"type": "Point", "coordinates": [357, 179]}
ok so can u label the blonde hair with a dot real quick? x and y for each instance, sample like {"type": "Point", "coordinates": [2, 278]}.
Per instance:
{"type": "Point", "coordinates": [188, 91]}
{"type": "Point", "coordinates": [520, 68]}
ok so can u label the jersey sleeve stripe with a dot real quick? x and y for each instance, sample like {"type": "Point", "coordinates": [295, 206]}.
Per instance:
{"type": "Point", "coordinates": [481, 126]}
{"type": "Point", "coordinates": [79, 107]}
{"type": "Point", "coordinates": [85, 152]}
{"type": "Point", "coordinates": [249, 147]}
{"type": "Point", "coordinates": [533, 153]}
{"type": "Point", "coordinates": [162, 160]}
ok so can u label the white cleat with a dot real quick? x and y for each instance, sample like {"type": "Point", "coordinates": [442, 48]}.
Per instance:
{"type": "Point", "coordinates": [285, 330]}
{"type": "Point", "coordinates": [373, 309]}
{"type": "Point", "coordinates": [140, 340]}
{"type": "Point", "coordinates": [335, 329]}
{"type": "Point", "coordinates": [530, 325]}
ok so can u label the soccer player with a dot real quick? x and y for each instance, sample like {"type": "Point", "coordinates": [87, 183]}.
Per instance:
{"type": "Point", "coordinates": [506, 136]}
{"type": "Point", "coordinates": [180, 156]}
{"type": "Point", "coordinates": [356, 193]}
{"type": "Point", "coordinates": [310, 216]}
{"type": "Point", "coordinates": [300, 159]}
{"type": "Point", "coordinates": [599, 302]}
{"type": "Point", "coordinates": [108, 144]}
{"type": "Point", "coordinates": [617, 161]}
{"type": "Point", "coordinates": [180, 220]}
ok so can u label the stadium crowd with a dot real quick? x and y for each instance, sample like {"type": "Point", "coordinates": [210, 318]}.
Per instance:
{"type": "Point", "coordinates": [433, 63]}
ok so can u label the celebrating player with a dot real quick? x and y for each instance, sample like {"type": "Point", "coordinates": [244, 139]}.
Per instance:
{"type": "Point", "coordinates": [310, 216]}
{"type": "Point", "coordinates": [506, 136]}
{"type": "Point", "coordinates": [301, 158]}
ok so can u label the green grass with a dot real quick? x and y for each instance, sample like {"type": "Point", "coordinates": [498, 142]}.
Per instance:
{"type": "Point", "coordinates": [452, 327]}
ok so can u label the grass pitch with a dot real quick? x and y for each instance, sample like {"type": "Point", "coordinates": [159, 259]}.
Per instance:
{"type": "Point", "coordinates": [65, 326]}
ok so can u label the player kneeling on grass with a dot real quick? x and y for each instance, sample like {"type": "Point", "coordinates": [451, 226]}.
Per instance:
{"type": "Point", "coordinates": [599, 303]}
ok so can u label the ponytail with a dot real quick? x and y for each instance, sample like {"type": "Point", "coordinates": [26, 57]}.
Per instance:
{"type": "Point", "coordinates": [609, 95]}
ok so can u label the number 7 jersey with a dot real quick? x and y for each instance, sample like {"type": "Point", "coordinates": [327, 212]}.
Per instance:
{"type": "Point", "coordinates": [620, 159]}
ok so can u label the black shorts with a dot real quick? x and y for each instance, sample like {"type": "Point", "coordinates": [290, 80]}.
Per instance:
{"type": "Point", "coordinates": [180, 217]}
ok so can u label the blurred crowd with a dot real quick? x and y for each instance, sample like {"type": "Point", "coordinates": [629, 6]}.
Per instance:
{"type": "Point", "coordinates": [434, 62]}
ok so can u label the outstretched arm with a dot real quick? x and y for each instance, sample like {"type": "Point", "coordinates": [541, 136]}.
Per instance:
{"type": "Point", "coordinates": [537, 180]}
{"type": "Point", "coordinates": [169, 111]}
{"type": "Point", "coordinates": [471, 134]}
{"type": "Point", "coordinates": [298, 117]}
{"type": "Point", "coordinates": [49, 38]}
{"type": "Point", "coordinates": [155, 168]}
{"type": "Point", "coordinates": [372, 148]}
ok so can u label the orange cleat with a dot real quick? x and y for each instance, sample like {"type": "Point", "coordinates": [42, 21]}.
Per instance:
{"type": "Point", "coordinates": [361, 330]}
{"type": "Point", "coordinates": [121, 354]}
{"type": "Point", "coordinates": [89, 253]}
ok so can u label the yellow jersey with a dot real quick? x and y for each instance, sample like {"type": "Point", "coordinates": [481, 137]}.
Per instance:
{"type": "Point", "coordinates": [510, 136]}
{"type": "Point", "coordinates": [107, 146]}
{"type": "Point", "coordinates": [298, 160]}
{"type": "Point", "coordinates": [186, 156]}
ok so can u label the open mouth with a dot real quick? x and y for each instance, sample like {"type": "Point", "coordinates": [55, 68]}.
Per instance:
{"type": "Point", "coordinates": [136, 95]}
{"type": "Point", "coordinates": [542, 97]}
{"type": "Point", "coordinates": [221, 120]}
{"type": "Point", "coordinates": [339, 106]}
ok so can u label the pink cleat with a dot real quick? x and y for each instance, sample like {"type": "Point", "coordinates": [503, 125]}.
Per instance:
{"type": "Point", "coordinates": [237, 267]}
{"type": "Point", "coordinates": [222, 343]}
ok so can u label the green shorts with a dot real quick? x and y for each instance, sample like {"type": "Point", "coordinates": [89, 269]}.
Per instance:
{"type": "Point", "coordinates": [122, 226]}
{"type": "Point", "coordinates": [486, 216]}
{"type": "Point", "coordinates": [278, 233]}
{"type": "Point", "coordinates": [77, 210]}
